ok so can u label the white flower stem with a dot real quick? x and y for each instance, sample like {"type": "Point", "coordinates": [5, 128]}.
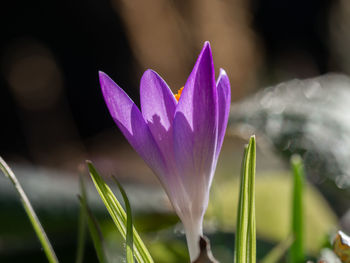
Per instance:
{"type": "Point", "coordinates": [193, 234]}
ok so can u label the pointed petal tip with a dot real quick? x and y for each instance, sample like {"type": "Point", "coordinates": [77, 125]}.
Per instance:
{"type": "Point", "coordinates": [223, 77]}
{"type": "Point", "coordinates": [205, 53]}
{"type": "Point", "coordinates": [206, 44]}
{"type": "Point", "coordinates": [222, 72]}
{"type": "Point", "coordinates": [103, 78]}
{"type": "Point", "coordinates": [205, 58]}
{"type": "Point", "coordinates": [146, 74]}
{"type": "Point", "coordinates": [101, 74]}
{"type": "Point", "coordinates": [107, 86]}
{"type": "Point", "coordinates": [149, 73]}
{"type": "Point", "coordinates": [206, 48]}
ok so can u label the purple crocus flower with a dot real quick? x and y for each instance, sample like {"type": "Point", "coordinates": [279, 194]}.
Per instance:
{"type": "Point", "coordinates": [179, 137]}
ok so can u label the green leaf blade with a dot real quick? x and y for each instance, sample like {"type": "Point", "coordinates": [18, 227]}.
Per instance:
{"type": "Point", "coordinates": [34, 220]}
{"type": "Point", "coordinates": [241, 228]}
{"type": "Point", "coordinates": [129, 225]}
{"type": "Point", "coordinates": [251, 215]}
{"type": "Point", "coordinates": [118, 215]}
{"type": "Point", "coordinates": [245, 247]}
{"type": "Point", "coordinates": [296, 253]}
{"type": "Point", "coordinates": [95, 231]}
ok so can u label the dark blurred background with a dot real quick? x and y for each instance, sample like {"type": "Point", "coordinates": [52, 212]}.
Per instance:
{"type": "Point", "coordinates": [51, 51]}
{"type": "Point", "coordinates": [52, 111]}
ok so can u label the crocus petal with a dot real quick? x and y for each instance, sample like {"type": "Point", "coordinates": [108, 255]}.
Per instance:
{"type": "Point", "coordinates": [128, 118]}
{"type": "Point", "coordinates": [195, 123]}
{"type": "Point", "coordinates": [180, 141]}
{"type": "Point", "coordinates": [195, 138]}
{"type": "Point", "coordinates": [158, 106]}
{"type": "Point", "coordinates": [224, 102]}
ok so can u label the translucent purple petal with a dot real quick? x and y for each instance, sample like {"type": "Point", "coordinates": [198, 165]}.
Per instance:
{"type": "Point", "coordinates": [195, 127]}
{"type": "Point", "coordinates": [128, 118]}
{"type": "Point", "coordinates": [224, 102]}
{"type": "Point", "coordinates": [180, 141]}
{"type": "Point", "coordinates": [158, 106]}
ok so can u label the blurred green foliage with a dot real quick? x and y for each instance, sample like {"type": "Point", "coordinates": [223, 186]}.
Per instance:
{"type": "Point", "coordinates": [273, 213]}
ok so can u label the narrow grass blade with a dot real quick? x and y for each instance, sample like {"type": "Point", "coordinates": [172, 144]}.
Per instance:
{"type": "Point", "coordinates": [278, 251]}
{"type": "Point", "coordinates": [241, 227]}
{"type": "Point", "coordinates": [95, 231]}
{"type": "Point", "coordinates": [118, 215]}
{"type": "Point", "coordinates": [81, 225]}
{"type": "Point", "coordinates": [51, 256]}
{"type": "Point", "coordinates": [245, 246]}
{"type": "Point", "coordinates": [296, 253]}
{"type": "Point", "coordinates": [251, 241]}
{"type": "Point", "coordinates": [129, 226]}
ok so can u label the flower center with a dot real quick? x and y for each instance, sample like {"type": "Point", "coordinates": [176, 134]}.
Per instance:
{"type": "Point", "coordinates": [178, 94]}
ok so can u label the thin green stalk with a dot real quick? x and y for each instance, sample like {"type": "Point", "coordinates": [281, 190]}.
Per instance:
{"type": "Point", "coordinates": [95, 231]}
{"type": "Point", "coordinates": [245, 247]}
{"type": "Point", "coordinates": [296, 254]}
{"type": "Point", "coordinates": [51, 256]}
{"type": "Point", "coordinates": [118, 215]}
{"type": "Point", "coordinates": [251, 218]}
{"type": "Point", "coordinates": [129, 226]}
{"type": "Point", "coordinates": [241, 227]}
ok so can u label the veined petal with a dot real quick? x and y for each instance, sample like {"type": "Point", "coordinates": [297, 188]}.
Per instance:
{"type": "Point", "coordinates": [195, 128]}
{"type": "Point", "coordinates": [157, 100]}
{"type": "Point", "coordinates": [224, 102]}
{"type": "Point", "coordinates": [158, 106]}
{"type": "Point", "coordinates": [128, 118]}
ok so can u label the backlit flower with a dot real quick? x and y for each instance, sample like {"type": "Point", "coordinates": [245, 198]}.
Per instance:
{"type": "Point", "coordinates": [178, 136]}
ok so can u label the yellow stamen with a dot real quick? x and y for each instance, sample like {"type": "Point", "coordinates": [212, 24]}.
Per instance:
{"type": "Point", "coordinates": [178, 94]}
